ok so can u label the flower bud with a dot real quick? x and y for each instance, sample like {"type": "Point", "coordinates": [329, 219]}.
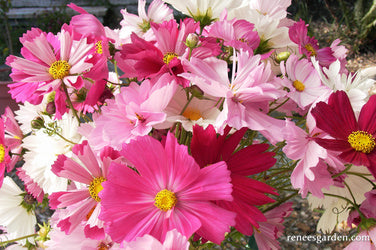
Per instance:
{"type": "Point", "coordinates": [192, 40]}
{"type": "Point", "coordinates": [51, 108]}
{"type": "Point", "coordinates": [37, 123]}
{"type": "Point", "coordinates": [282, 56]}
{"type": "Point", "coordinates": [196, 92]}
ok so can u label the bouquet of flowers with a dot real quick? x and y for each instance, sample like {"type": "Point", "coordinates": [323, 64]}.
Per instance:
{"type": "Point", "coordinates": [177, 134]}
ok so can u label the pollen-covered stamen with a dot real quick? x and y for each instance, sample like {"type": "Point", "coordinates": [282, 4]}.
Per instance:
{"type": "Point", "coordinates": [165, 200]}
{"type": "Point", "coordinates": [59, 69]}
{"type": "Point", "coordinates": [95, 187]}
{"type": "Point", "coordinates": [192, 114]}
{"type": "Point", "coordinates": [298, 85]}
{"type": "Point", "coordinates": [99, 47]}
{"type": "Point", "coordinates": [141, 118]}
{"type": "Point", "coordinates": [361, 141]}
{"type": "Point", "coordinates": [310, 49]}
{"type": "Point", "coordinates": [169, 56]}
{"type": "Point", "coordinates": [2, 153]}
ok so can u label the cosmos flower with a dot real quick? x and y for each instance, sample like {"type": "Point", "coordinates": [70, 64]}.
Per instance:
{"type": "Point", "coordinates": [163, 190]}
{"type": "Point", "coordinates": [208, 148]}
{"type": "Point", "coordinates": [82, 204]}
{"type": "Point", "coordinates": [355, 139]}
{"type": "Point", "coordinates": [14, 213]}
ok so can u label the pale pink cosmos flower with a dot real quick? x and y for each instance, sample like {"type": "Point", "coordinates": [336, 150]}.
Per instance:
{"type": "Point", "coordinates": [133, 112]}
{"type": "Point", "coordinates": [49, 62]}
{"type": "Point", "coordinates": [174, 240]}
{"type": "Point", "coordinates": [239, 34]}
{"type": "Point", "coordinates": [311, 173]}
{"type": "Point", "coordinates": [164, 190]}
{"type": "Point", "coordinates": [158, 12]}
{"type": "Point", "coordinates": [303, 81]}
{"type": "Point", "coordinates": [199, 111]}
{"type": "Point", "coordinates": [83, 204]}
{"type": "Point", "coordinates": [13, 137]}
{"type": "Point", "coordinates": [59, 240]}
{"type": "Point", "coordinates": [270, 230]}
{"type": "Point", "coordinates": [246, 97]}
{"type": "Point", "coordinates": [276, 9]}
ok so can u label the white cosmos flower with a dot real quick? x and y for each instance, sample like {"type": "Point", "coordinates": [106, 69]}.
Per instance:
{"type": "Point", "coordinates": [357, 86]}
{"type": "Point", "coordinates": [17, 220]}
{"type": "Point", "coordinates": [336, 208]}
{"type": "Point", "coordinates": [28, 112]}
{"type": "Point", "coordinates": [211, 8]}
{"type": "Point", "coordinates": [43, 150]}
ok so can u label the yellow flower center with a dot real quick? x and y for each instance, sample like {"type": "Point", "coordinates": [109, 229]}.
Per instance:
{"type": "Point", "coordinates": [2, 153]}
{"type": "Point", "coordinates": [298, 85]}
{"type": "Point", "coordinates": [361, 141]}
{"type": "Point", "coordinates": [95, 187]}
{"type": "Point", "coordinates": [98, 47]}
{"type": "Point", "coordinates": [59, 69]}
{"type": "Point", "coordinates": [192, 114]}
{"type": "Point", "coordinates": [168, 57]}
{"type": "Point", "coordinates": [310, 48]}
{"type": "Point", "coordinates": [165, 200]}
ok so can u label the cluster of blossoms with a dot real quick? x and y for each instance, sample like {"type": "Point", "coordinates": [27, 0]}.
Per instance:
{"type": "Point", "coordinates": [169, 134]}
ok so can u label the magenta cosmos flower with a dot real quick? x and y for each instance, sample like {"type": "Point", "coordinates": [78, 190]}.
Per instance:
{"type": "Point", "coordinates": [82, 205]}
{"type": "Point", "coordinates": [165, 189]}
{"type": "Point", "coordinates": [355, 139]}
{"type": "Point", "coordinates": [49, 62]}
{"type": "Point", "coordinates": [208, 148]}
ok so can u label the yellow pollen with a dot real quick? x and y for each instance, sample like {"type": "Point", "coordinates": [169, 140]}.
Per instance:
{"type": "Point", "coordinates": [361, 141]}
{"type": "Point", "coordinates": [2, 153]}
{"type": "Point", "coordinates": [192, 114]}
{"type": "Point", "coordinates": [298, 85]}
{"type": "Point", "coordinates": [95, 187]}
{"type": "Point", "coordinates": [165, 200]}
{"type": "Point", "coordinates": [98, 47]}
{"type": "Point", "coordinates": [168, 57]}
{"type": "Point", "coordinates": [310, 48]}
{"type": "Point", "coordinates": [59, 69]}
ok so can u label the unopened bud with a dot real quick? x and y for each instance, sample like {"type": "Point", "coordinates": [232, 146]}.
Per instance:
{"type": "Point", "coordinates": [51, 108]}
{"type": "Point", "coordinates": [29, 199]}
{"type": "Point", "coordinates": [37, 123]}
{"type": "Point", "coordinates": [282, 56]}
{"type": "Point", "coordinates": [196, 92]}
{"type": "Point", "coordinates": [192, 40]}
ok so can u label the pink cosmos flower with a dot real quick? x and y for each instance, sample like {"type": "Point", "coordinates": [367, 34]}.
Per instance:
{"type": "Point", "coordinates": [354, 139]}
{"type": "Point", "coordinates": [364, 244]}
{"type": "Point", "coordinates": [308, 45]}
{"type": "Point", "coordinates": [303, 81]}
{"type": "Point", "coordinates": [246, 97]}
{"type": "Point", "coordinates": [248, 193]}
{"type": "Point", "coordinates": [132, 113]}
{"type": "Point", "coordinates": [31, 186]}
{"type": "Point", "coordinates": [4, 153]}
{"type": "Point", "coordinates": [239, 34]}
{"type": "Point", "coordinates": [174, 240]}
{"type": "Point", "coordinates": [164, 189]}
{"type": "Point", "coordinates": [59, 240]}
{"type": "Point", "coordinates": [49, 63]}
{"type": "Point", "coordinates": [144, 59]}
{"type": "Point", "coordinates": [82, 205]}
{"type": "Point", "coordinates": [269, 231]}
{"type": "Point", "coordinates": [13, 137]}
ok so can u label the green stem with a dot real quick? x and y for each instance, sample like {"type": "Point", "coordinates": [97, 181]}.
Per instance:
{"type": "Point", "coordinates": [186, 105]}
{"type": "Point", "coordinates": [62, 137]}
{"type": "Point", "coordinates": [342, 172]}
{"type": "Point", "coordinates": [280, 105]}
{"type": "Point", "coordinates": [281, 201]}
{"type": "Point", "coordinates": [70, 104]}
{"type": "Point", "coordinates": [17, 239]}
{"type": "Point", "coordinates": [362, 176]}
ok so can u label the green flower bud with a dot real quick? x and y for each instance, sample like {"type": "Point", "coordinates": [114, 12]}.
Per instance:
{"type": "Point", "coordinates": [282, 56]}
